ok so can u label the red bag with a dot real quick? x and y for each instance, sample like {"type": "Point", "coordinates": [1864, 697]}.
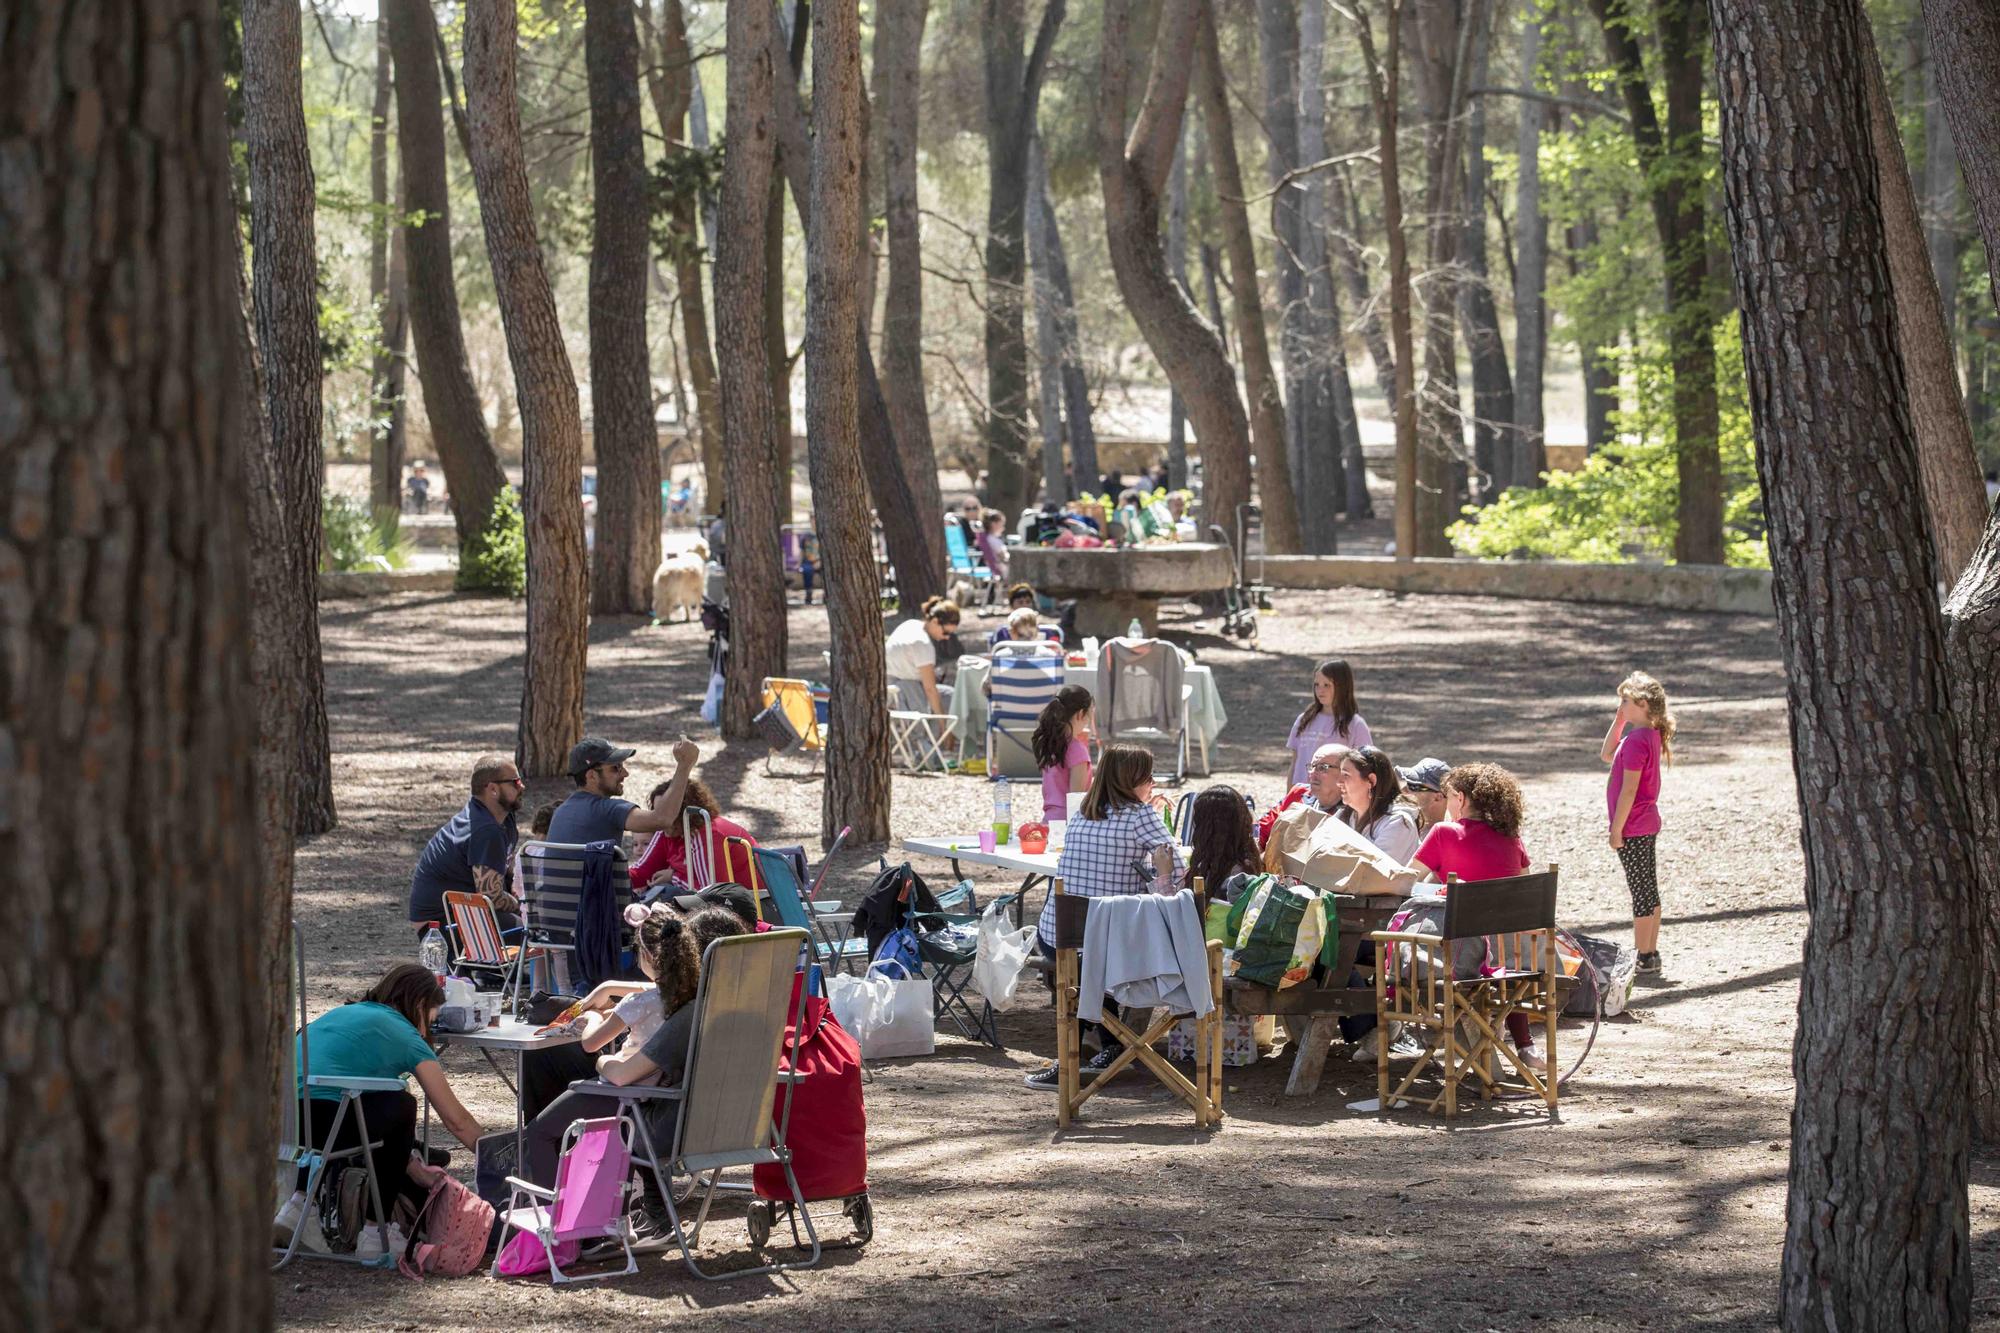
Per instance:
{"type": "Point", "coordinates": [828, 1133]}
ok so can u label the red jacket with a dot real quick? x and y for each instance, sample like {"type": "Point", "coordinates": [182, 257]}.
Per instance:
{"type": "Point", "coordinates": [1270, 817]}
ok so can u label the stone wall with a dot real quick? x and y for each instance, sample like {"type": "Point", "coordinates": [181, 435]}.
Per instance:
{"type": "Point", "coordinates": [1675, 587]}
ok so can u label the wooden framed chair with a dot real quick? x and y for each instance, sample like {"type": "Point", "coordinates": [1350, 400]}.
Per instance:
{"type": "Point", "coordinates": [1511, 924]}
{"type": "Point", "coordinates": [1204, 1094]}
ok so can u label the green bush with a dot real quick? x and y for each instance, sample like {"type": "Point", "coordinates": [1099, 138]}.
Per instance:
{"type": "Point", "coordinates": [496, 559]}
{"type": "Point", "coordinates": [358, 538]}
{"type": "Point", "coordinates": [1621, 506]}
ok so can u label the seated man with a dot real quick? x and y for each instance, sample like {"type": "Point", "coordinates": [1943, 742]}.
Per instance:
{"type": "Point", "coordinates": [1423, 785]}
{"type": "Point", "coordinates": [473, 851]}
{"type": "Point", "coordinates": [594, 812]}
{"type": "Point", "coordinates": [1320, 790]}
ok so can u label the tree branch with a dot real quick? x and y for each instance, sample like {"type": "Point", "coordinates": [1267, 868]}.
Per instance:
{"type": "Point", "coordinates": [1556, 99]}
{"type": "Point", "coordinates": [1038, 61]}
{"type": "Point", "coordinates": [458, 119]}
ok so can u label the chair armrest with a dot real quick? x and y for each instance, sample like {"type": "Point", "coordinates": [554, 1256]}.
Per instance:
{"type": "Point", "coordinates": [355, 1083]}
{"type": "Point", "coordinates": [529, 1187]}
{"type": "Point", "coordinates": [1403, 937]}
{"type": "Point", "coordinates": [825, 906]}
{"type": "Point", "coordinates": [638, 1092]}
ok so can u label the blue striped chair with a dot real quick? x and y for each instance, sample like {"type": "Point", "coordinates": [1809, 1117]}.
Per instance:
{"type": "Point", "coordinates": [1026, 677]}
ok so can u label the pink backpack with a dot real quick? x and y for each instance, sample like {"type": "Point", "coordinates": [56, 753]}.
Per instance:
{"type": "Point", "coordinates": [449, 1237]}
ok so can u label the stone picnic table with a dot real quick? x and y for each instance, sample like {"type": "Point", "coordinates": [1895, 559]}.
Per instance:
{"type": "Point", "coordinates": [1114, 586]}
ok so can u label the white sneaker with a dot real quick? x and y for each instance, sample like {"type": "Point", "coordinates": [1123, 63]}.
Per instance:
{"type": "Point", "coordinates": [286, 1223]}
{"type": "Point", "coordinates": [1532, 1058]}
{"type": "Point", "coordinates": [1369, 1049]}
{"type": "Point", "coordinates": [369, 1248]}
{"type": "Point", "coordinates": [1405, 1046]}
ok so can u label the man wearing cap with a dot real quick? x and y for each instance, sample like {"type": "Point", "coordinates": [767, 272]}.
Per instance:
{"type": "Point", "coordinates": [471, 853]}
{"type": "Point", "coordinates": [594, 812]}
{"type": "Point", "coordinates": [1423, 783]}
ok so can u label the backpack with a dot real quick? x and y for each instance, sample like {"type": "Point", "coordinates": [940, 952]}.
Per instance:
{"type": "Point", "coordinates": [1604, 971]}
{"type": "Point", "coordinates": [1277, 932]}
{"type": "Point", "coordinates": [451, 1231]}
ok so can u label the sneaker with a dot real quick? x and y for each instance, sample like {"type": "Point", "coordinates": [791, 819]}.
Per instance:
{"type": "Point", "coordinates": [1532, 1058]}
{"type": "Point", "coordinates": [437, 1156]}
{"type": "Point", "coordinates": [1649, 964]}
{"type": "Point", "coordinates": [651, 1230]}
{"type": "Point", "coordinates": [369, 1248]}
{"type": "Point", "coordinates": [1095, 1066]}
{"type": "Point", "coordinates": [1046, 1079]}
{"type": "Point", "coordinates": [1405, 1047]}
{"type": "Point", "coordinates": [1369, 1049]}
{"type": "Point", "coordinates": [286, 1224]}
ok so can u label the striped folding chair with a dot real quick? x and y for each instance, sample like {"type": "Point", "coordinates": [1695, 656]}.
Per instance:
{"type": "Point", "coordinates": [1026, 678]}
{"type": "Point", "coordinates": [551, 890]}
{"type": "Point", "coordinates": [477, 939]}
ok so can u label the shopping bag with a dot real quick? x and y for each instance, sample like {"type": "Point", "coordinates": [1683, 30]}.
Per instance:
{"type": "Point", "coordinates": [1279, 931]}
{"type": "Point", "coordinates": [1003, 957]}
{"type": "Point", "coordinates": [887, 1017]}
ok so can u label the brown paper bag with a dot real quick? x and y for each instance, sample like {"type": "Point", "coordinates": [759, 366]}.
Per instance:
{"type": "Point", "coordinates": [1289, 833]}
{"type": "Point", "coordinates": [1340, 859]}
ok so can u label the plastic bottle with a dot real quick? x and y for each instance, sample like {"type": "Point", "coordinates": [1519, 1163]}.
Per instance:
{"type": "Point", "coordinates": [432, 953]}
{"type": "Point", "coordinates": [1135, 630]}
{"type": "Point", "coordinates": [1003, 810]}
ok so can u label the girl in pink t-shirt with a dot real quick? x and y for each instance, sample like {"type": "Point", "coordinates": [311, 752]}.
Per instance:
{"type": "Point", "coordinates": [1631, 798]}
{"type": "Point", "coordinates": [1331, 718]}
{"type": "Point", "coordinates": [1062, 749]}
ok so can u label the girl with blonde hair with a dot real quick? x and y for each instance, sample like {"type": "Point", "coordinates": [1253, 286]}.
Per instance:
{"type": "Point", "coordinates": [1640, 740]}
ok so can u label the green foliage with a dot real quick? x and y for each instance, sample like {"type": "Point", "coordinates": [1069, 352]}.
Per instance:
{"type": "Point", "coordinates": [1621, 506]}
{"type": "Point", "coordinates": [686, 174]}
{"type": "Point", "coordinates": [496, 559]}
{"type": "Point", "coordinates": [356, 538]}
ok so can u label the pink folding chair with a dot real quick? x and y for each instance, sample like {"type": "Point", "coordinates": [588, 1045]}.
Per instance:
{"type": "Point", "coordinates": [593, 1190]}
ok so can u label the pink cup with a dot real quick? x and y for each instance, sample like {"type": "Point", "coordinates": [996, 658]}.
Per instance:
{"type": "Point", "coordinates": [986, 840]}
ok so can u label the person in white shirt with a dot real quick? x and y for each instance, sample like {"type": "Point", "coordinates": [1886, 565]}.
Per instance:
{"type": "Point", "coordinates": [1370, 793]}
{"type": "Point", "coordinates": [912, 657]}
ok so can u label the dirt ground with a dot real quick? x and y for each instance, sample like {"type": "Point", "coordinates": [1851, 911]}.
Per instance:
{"type": "Point", "coordinates": [1657, 1200]}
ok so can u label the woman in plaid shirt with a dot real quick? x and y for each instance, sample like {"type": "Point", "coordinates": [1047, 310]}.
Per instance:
{"type": "Point", "coordinates": [1117, 844]}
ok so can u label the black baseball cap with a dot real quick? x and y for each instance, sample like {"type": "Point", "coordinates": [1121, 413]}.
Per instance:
{"type": "Point", "coordinates": [591, 751]}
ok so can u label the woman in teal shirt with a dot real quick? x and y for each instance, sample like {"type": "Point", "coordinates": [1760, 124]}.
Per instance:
{"type": "Point", "coordinates": [384, 1035]}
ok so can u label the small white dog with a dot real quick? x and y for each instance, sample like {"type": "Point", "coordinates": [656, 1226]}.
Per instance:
{"type": "Point", "coordinates": [678, 582]}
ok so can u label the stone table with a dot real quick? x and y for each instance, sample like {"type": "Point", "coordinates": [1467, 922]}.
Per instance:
{"type": "Point", "coordinates": [1113, 586]}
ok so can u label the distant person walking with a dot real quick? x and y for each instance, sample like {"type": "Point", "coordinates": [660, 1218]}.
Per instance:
{"type": "Point", "coordinates": [1632, 797]}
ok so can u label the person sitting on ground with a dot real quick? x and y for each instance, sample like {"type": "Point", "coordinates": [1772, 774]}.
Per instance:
{"type": "Point", "coordinates": [1117, 844]}
{"type": "Point", "coordinates": [1320, 790]}
{"type": "Point", "coordinates": [1481, 839]}
{"type": "Point", "coordinates": [1331, 715]}
{"type": "Point", "coordinates": [912, 658]}
{"type": "Point", "coordinates": [384, 1034]}
{"type": "Point", "coordinates": [1222, 844]}
{"type": "Point", "coordinates": [1370, 796]}
{"type": "Point", "coordinates": [473, 851]}
{"type": "Point", "coordinates": [594, 812]}
{"type": "Point", "coordinates": [1062, 749]}
{"type": "Point", "coordinates": [1423, 787]}
{"type": "Point", "coordinates": [992, 543]}
{"type": "Point", "coordinates": [664, 861]}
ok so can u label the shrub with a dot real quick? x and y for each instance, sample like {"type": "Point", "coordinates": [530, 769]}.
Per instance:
{"type": "Point", "coordinates": [496, 559]}
{"type": "Point", "coordinates": [358, 538]}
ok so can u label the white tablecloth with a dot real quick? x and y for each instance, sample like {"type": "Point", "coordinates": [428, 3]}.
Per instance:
{"type": "Point", "coordinates": [1206, 716]}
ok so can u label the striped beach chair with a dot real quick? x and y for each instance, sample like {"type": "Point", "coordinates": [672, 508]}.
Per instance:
{"type": "Point", "coordinates": [1026, 677]}
{"type": "Point", "coordinates": [551, 889]}
{"type": "Point", "coordinates": [481, 948]}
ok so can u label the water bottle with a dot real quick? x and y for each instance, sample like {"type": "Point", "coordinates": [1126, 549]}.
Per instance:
{"type": "Point", "coordinates": [1003, 810]}
{"type": "Point", "coordinates": [432, 953]}
{"type": "Point", "coordinates": [1135, 630]}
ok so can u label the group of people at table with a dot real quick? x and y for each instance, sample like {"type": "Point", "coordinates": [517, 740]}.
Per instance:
{"type": "Point", "coordinates": [1443, 822]}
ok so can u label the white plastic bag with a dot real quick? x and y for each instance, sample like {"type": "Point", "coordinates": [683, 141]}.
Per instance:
{"type": "Point", "coordinates": [1003, 957]}
{"type": "Point", "coordinates": [887, 1016]}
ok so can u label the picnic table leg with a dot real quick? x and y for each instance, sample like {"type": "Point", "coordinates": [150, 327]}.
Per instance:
{"type": "Point", "coordinates": [1310, 1062]}
{"type": "Point", "coordinates": [520, 1112]}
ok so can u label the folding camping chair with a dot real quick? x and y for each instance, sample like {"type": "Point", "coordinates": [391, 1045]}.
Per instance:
{"type": "Point", "coordinates": [948, 943]}
{"type": "Point", "coordinates": [298, 1152]}
{"type": "Point", "coordinates": [834, 943]}
{"type": "Point", "coordinates": [964, 564]}
{"type": "Point", "coordinates": [1143, 695]}
{"type": "Point", "coordinates": [1204, 1094]}
{"type": "Point", "coordinates": [698, 837]}
{"type": "Point", "coordinates": [750, 988]}
{"type": "Point", "coordinates": [1025, 679]}
{"type": "Point", "coordinates": [478, 941]}
{"type": "Point", "coordinates": [917, 738]}
{"type": "Point", "coordinates": [551, 891]}
{"type": "Point", "coordinates": [592, 1191]}
{"type": "Point", "coordinates": [1184, 814]}
{"type": "Point", "coordinates": [736, 864]}
{"type": "Point", "coordinates": [790, 719]}
{"type": "Point", "coordinates": [1462, 1012]}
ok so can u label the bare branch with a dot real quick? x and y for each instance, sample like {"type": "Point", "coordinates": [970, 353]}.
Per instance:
{"type": "Point", "coordinates": [1556, 99]}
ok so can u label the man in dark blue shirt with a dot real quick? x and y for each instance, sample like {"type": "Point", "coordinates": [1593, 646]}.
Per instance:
{"type": "Point", "coordinates": [594, 812]}
{"type": "Point", "coordinates": [472, 852]}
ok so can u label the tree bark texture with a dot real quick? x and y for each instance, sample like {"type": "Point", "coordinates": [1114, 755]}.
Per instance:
{"type": "Point", "coordinates": [1048, 334]}
{"type": "Point", "coordinates": [917, 578]}
{"type": "Point", "coordinates": [1965, 50]}
{"type": "Point", "coordinates": [1876, 1226]}
{"type": "Point", "coordinates": [138, 1097]}
{"type": "Point", "coordinates": [1445, 36]}
{"type": "Point", "coordinates": [1260, 383]}
{"type": "Point", "coordinates": [1522, 461]}
{"type": "Point", "coordinates": [1083, 474]}
{"type": "Point", "coordinates": [1668, 160]}
{"type": "Point", "coordinates": [1346, 239]}
{"type": "Point", "coordinates": [1278, 59]}
{"type": "Point", "coordinates": [856, 790]}
{"type": "Point", "coordinates": [675, 91]}
{"type": "Point", "coordinates": [777, 350]}
{"type": "Point", "coordinates": [1013, 90]}
{"type": "Point", "coordinates": [1134, 174]}
{"type": "Point", "coordinates": [1177, 237]}
{"type": "Point", "coordinates": [1940, 194]}
{"type": "Point", "coordinates": [1492, 386]}
{"type": "Point", "coordinates": [1326, 415]}
{"type": "Point", "coordinates": [388, 294]}
{"type": "Point", "coordinates": [627, 550]}
{"type": "Point", "coordinates": [756, 573]}
{"type": "Point", "coordinates": [1954, 491]}
{"type": "Point", "coordinates": [545, 387]}
{"type": "Point", "coordinates": [899, 40]}
{"type": "Point", "coordinates": [1384, 89]}
{"type": "Point", "coordinates": [451, 401]}
{"type": "Point", "coordinates": [285, 291]}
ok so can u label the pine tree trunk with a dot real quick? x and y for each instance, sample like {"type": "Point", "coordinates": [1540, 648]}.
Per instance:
{"type": "Point", "coordinates": [777, 346]}
{"type": "Point", "coordinates": [856, 790]}
{"type": "Point", "coordinates": [138, 1090]}
{"type": "Point", "coordinates": [1134, 176]}
{"type": "Point", "coordinates": [1445, 36]}
{"type": "Point", "coordinates": [451, 400]}
{"type": "Point", "coordinates": [1965, 49]}
{"type": "Point", "coordinates": [627, 549]}
{"type": "Point", "coordinates": [1940, 196]}
{"type": "Point", "coordinates": [1083, 476]}
{"type": "Point", "coordinates": [899, 39]}
{"type": "Point", "coordinates": [1600, 372]}
{"type": "Point", "coordinates": [388, 294]}
{"type": "Point", "coordinates": [1278, 58]}
{"type": "Point", "coordinates": [756, 575]}
{"type": "Point", "coordinates": [1954, 491]}
{"type": "Point", "coordinates": [1177, 225]}
{"type": "Point", "coordinates": [1876, 1226]}
{"type": "Point", "coordinates": [1492, 386]}
{"type": "Point", "coordinates": [1346, 239]}
{"type": "Point", "coordinates": [674, 91]}
{"type": "Point", "coordinates": [1048, 336]}
{"type": "Point", "coordinates": [551, 429]}
{"type": "Point", "coordinates": [286, 295]}
{"type": "Point", "coordinates": [1267, 412]}
{"type": "Point", "coordinates": [1522, 461]}
{"type": "Point", "coordinates": [1326, 414]}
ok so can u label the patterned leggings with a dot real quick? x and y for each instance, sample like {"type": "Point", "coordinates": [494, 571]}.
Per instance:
{"type": "Point", "coordinates": [1642, 875]}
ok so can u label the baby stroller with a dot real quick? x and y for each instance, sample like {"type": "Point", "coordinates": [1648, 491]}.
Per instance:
{"type": "Point", "coordinates": [826, 1128]}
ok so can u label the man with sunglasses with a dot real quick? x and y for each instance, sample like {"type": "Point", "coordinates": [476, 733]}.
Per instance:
{"type": "Point", "coordinates": [471, 853]}
{"type": "Point", "coordinates": [1320, 790]}
{"type": "Point", "coordinates": [1423, 783]}
{"type": "Point", "coordinates": [596, 810]}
